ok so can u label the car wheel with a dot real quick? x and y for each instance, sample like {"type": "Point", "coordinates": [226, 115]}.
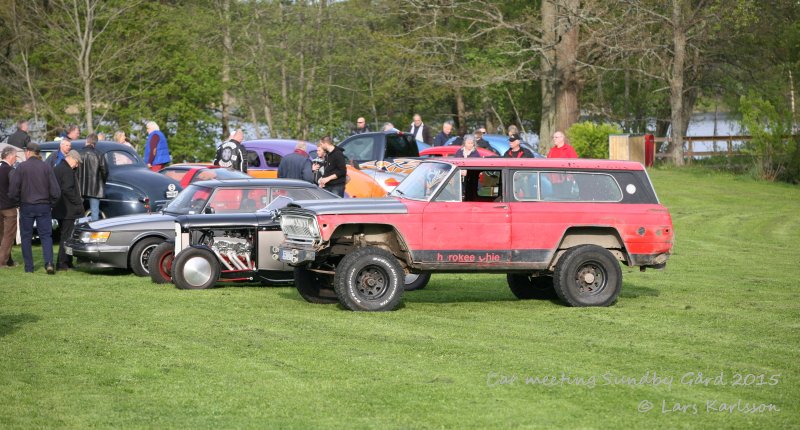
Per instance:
{"type": "Point", "coordinates": [587, 275]}
{"type": "Point", "coordinates": [140, 254]}
{"type": "Point", "coordinates": [160, 263]}
{"type": "Point", "coordinates": [526, 287]}
{"type": "Point", "coordinates": [314, 287]}
{"type": "Point", "coordinates": [195, 269]}
{"type": "Point", "coordinates": [416, 281]}
{"type": "Point", "coordinates": [369, 279]}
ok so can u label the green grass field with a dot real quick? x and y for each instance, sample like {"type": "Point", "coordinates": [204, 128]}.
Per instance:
{"type": "Point", "coordinates": [113, 350]}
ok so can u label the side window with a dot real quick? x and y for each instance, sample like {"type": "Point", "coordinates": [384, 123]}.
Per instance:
{"type": "Point", "coordinates": [359, 149]}
{"type": "Point", "coordinates": [526, 186]}
{"type": "Point", "coordinates": [451, 191]}
{"type": "Point", "coordinates": [401, 146]}
{"type": "Point", "coordinates": [482, 185]}
{"type": "Point", "coordinates": [119, 158]}
{"type": "Point", "coordinates": [583, 187]}
{"type": "Point", "coordinates": [252, 159]}
{"type": "Point", "coordinates": [292, 193]}
{"type": "Point", "coordinates": [272, 159]}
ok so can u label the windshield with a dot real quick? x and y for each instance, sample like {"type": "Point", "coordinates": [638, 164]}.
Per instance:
{"type": "Point", "coordinates": [190, 201]}
{"type": "Point", "coordinates": [423, 181]}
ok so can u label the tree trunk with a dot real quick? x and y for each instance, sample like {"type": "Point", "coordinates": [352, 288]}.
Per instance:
{"type": "Point", "coordinates": [461, 110]}
{"type": "Point", "coordinates": [227, 52]}
{"type": "Point", "coordinates": [569, 84]}
{"type": "Point", "coordinates": [676, 83]}
{"type": "Point", "coordinates": [548, 72]}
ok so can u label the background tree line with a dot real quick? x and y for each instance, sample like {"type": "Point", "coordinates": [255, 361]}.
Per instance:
{"type": "Point", "coordinates": [303, 69]}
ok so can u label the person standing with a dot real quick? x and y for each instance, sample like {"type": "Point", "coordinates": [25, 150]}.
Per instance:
{"type": "Point", "coordinates": [120, 138]}
{"type": "Point", "coordinates": [231, 154]}
{"type": "Point", "coordinates": [420, 131]}
{"type": "Point", "coordinates": [8, 210]}
{"type": "Point", "coordinates": [20, 138]}
{"type": "Point", "coordinates": [318, 165]}
{"type": "Point", "coordinates": [361, 126]}
{"type": "Point", "coordinates": [515, 150]}
{"type": "Point", "coordinates": [296, 165]}
{"type": "Point", "coordinates": [156, 151]}
{"type": "Point", "coordinates": [335, 167]}
{"type": "Point", "coordinates": [561, 148]}
{"type": "Point", "coordinates": [35, 188]}
{"type": "Point", "coordinates": [480, 142]}
{"type": "Point", "coordinates": [73, 132]}
{"type": "Point", "coordinates": [444, 135]}
{"type": "Point", "coordinates": [92, 176]}
{"type": "Point", "coordinates": [64, 146]}
{"type": "Point", "coordinates": [467, 149]}
{"type": "Point", "coordinates": [70, 206]}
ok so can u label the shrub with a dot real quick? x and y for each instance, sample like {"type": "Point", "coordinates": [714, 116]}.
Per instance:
{"type": "Point", "coordinates": [774, 155]}
{"type": "Point", "coordinates": [590, 140]}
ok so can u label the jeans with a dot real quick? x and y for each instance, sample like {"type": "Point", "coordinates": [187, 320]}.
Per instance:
{"type": "Point", "coordinates": [94, 206]}
{"type": "Point", "coordinates": [44, 225]}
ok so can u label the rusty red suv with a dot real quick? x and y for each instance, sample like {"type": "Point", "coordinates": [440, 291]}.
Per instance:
{"type": "Point", "coordinates": [554, 227]}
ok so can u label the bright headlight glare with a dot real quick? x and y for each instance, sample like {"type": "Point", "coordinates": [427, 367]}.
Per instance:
{"type": "Point", "coordinates": [95, 236]}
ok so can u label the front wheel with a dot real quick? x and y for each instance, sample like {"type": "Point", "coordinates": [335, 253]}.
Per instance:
{"type": "Point", "coordinates": [588, 275]}
{"type": "Point", "coordinates": [140, 254]}
{"type": "Point", "coordinates": [369, 279]}
{"type": "Point", "coordinates": [195, 269]}
{"type": "Point", "coordinates": [314, 287]}
{"type": "Point", "coordinates": [160, 263]}
{"type": "Point", "coordinates": [416, 281]}
{"type": "Point", "coordinates": [527, 287]}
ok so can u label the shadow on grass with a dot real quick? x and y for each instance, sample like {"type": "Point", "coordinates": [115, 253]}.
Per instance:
{"type": "Point", "coordinates": [632, 291]}
{"type": "Point", "coordinates": [11, 323]}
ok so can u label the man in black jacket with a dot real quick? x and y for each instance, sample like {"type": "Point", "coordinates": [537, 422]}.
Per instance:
{"type": "Point", "coordinates": [92, 175]}
{"type": "Point", "coordinates": [8, 210]}
{"type": "Point", "coordinates": [35, 188]}
{"type": "Point", "coordinates": [296, 165]}
{"type": "Point", "coordinates": [20, 138]}
{"type": "Point", "coordinates": [335, 168]}
{"type": "Point", "coordinates": [70, 206]}
{"type": "Point", "coordinates": [232, 154]}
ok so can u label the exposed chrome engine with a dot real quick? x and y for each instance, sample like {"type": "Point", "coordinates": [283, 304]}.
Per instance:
{"type": "Point", "coordinates": [234, 248]}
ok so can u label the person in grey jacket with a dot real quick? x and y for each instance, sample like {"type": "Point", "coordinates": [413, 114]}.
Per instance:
{"type": "Point", "coordinates": [296, 165]}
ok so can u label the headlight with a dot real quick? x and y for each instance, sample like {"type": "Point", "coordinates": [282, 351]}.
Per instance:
{"type": "Point", "coordinates": [95, 236]}
{"type": "Point", "coordinates": [303, 227]}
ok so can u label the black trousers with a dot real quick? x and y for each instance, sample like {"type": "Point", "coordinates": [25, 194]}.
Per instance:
{"type": "Point", "coordinates": [67, 226]}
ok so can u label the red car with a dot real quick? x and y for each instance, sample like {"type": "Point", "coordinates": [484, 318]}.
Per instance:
{"type": "Point", "coordinates": [555, 227]}
{"type": "Point", "coordinates": [449, 151]}
{"type": "Point", "coordinates": [186, 173]}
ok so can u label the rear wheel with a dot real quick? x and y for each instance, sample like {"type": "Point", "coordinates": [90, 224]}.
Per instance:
{"type": "Point", "coordinates": [314, 287]}
{"type": "Point", "coordinates": [369, 279]}
{"type": "Point", "coordinates": [195, 269]}
{"type": "Point", "coordinates": [160, 263]}
{"type": "Point", "coordinates": [526, 287]}
{"type": "Point", "coordinates": [416, 281]}
{"type": "Point", "coordinates": [140, 254]}
{"type": "Point", "coordinates": [588, 275]}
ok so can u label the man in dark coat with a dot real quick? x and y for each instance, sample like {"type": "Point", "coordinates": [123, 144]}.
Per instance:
{"type": "Point", "coordinates": [444, 135]}
{"type": "Point", "coordinates": [35, 188]}
{"type": "Point", "coordinates": [297, 164]}
{"type": "Point", "coordinates": [92, 175]}
{"type": "Point", "coordinates": [335, 168]}
{"type": "Point", "coordinates": [20, 138]}
{"type": "Point", "coordinates": [361, 126]}
{"type": "Point", "coordinates": [70, 206]}
{"type": "Point", "coordinates": [420, 131]}
{"type": "Point", "coordinates": [8, 210]}
{"type": "Point", "coordinates": [231, 154]}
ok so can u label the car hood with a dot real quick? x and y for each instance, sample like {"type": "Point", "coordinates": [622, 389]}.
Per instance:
{"type": "Point", "coordinates": [351, 206]}
{"type": "Point", "coordinates": [134, 222]}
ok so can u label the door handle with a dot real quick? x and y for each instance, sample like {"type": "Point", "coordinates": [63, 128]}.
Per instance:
{"type": "Point", "coordinates": [501, 207]}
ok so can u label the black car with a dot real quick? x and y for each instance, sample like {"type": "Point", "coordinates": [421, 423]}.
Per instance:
{"type": "Point", "coordinates": [127, 242]}
{"type": "Point", "coordinates": [131, 187]}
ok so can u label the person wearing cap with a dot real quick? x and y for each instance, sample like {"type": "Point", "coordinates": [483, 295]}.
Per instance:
{"type": "Point", "coordinates": [8, 210]}
{"type": "Point", "coordinates": [231, 153]}
{"type": "Point", "coordinates": [34, 186]}
{"type": "Point", "coordinates": [69, 207]}
{"type": "Point", "coordinates": [480, 142]}
{"type": "Point", "coordinates": [515, 150]}
{"type": "Point", "coordinates": [92, 175]}
{"type": "Point", "coordinates": [561, 148]}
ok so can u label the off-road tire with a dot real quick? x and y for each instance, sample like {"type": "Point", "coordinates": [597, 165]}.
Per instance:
{"type": "Point", "coordinates": [160, 263]}
{"type": "Point", "coordinates": [369, 279]}
{"type": "Point", "coordinates": [416, 283]}
{"type": "Point", "coordinates": [195, 269]}
{"type": "Point", "coordinates": [140, 255]}
{"type": "Point", "coordinates": [587, 275]}
{"type": "Point", "coordinates": [527, 287]}
{"type": "Point", "coordinates": [314, 287]}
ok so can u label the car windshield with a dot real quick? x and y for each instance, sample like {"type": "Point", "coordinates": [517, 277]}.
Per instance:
{"type": "Point", "coordinates": [190, 201]}
{"type": "Point", "coordinates": [423, 181]}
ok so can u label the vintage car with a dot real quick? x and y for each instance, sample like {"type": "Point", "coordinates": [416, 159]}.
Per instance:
{"type": "Point", "coordinates": [500, 144]}
{"type": "Point", "coordinates": [449, 151]}
{"type": "Point", "coordinates": [187, 173]}
{"type": "Point", "coordinates": [264, 157]}
{"type": "Point", "coordinates": [128, 242]}
{"type": "Point", "coordinates": [131, 187]}
{"type": "Point", "coordinates": [551, 225]}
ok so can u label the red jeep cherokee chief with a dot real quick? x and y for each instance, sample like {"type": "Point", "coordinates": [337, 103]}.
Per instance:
{"type": "Point", "coordinates": [553, 226]}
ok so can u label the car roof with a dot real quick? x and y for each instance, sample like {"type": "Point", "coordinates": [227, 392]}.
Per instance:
{"type": "Point", "coordinates": [215, 183]}
{"type": "Point", "coordinates": [547, 163]}
{"type": "Point", "coordinates": [102, 146]}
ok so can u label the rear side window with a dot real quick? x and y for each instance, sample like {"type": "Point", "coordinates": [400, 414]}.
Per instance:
{"type": "Point", "coordinates": [401, 146]}
{"type": "Point", "coordinates": [252, 159]}
{"type": "Point", "coordinates": [272, 159]}
{"type": "Point", "coordinates": [359, 149]}
{"type": "Point", "coordinates": [119, 158]}
{"type": "Point", "coordinates": [566, 187]}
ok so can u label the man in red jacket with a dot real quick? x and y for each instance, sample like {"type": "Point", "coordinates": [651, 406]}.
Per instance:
{"type": "Point", "coordinates": [562, 148]}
